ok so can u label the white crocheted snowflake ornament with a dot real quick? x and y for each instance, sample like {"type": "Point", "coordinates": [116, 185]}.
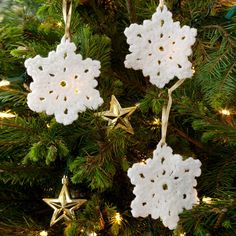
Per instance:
{"type": "Point", "coordinates": [164, 186]}
{"type": "Point", "coordinates": [160, 48]}
{"type": "Point", "coordinates": [63, 83]}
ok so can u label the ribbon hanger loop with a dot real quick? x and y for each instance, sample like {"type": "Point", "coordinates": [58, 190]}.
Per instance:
{"type": "Point", "coordinates": [67, 11]}
{"type": "Point", "coordinates": [166, 111]}
{"type": "Point", "coordinates": [161, 3]}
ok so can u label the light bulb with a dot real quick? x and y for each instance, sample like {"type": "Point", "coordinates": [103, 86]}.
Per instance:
{"type": "Point", "coordinates": [156, 121]}
{"type": "Point", "coordinates": [4, 83]}
{"type": "Point", "coordinates": [43, 233]}
{"type": "Point", "coordinates": [118, 218]}
{"type": "Point", "coordinates": [59, 24]}
{"type": "Point", "coordinates": [6, 115]}
{"type": "Point", "coordinates": [225, 112]}
{"type": "Point", "coordinates": [207, 200]}
{"type": "Point", "coordinates": [92, 234]}
{"type": "Point", "coordinates": [143, 162]}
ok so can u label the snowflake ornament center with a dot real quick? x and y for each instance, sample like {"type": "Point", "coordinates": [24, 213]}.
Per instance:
{"type": "Point", "coordinates": [160, 48]}
{"type": "Point", "coordinates": [164, 186]}
{"type": "Point", "coordinates": [63, 83]}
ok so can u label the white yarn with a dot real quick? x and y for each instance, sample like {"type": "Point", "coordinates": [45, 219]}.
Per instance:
{"type": "Point", "coordinates": [160, 48]}
{"type": "Point", "coordinates": [164, 186]}
{"type": "Point", "coordinates": [63, 83]}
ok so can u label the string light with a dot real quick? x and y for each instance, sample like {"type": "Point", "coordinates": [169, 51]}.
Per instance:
{"type": "Point", "coordinates": [207, 200]}
{"type": "Point", "coordinates": [92, 234]}
{"type": "Point", "coordinates": [59, 24]}
{"type": "Point", "coordinates": [193, 69]}
{"type": "Point", "coordinates": [118, 218]}
{"type": "Point", "coordinates": [225, 112]}
{"type": "Point", "coordinates": [6, 115]}
{"type": "Point", "coordinates": [156, 121]}
{"type": "Point", "coordinates": [43, 233]}
{"type": "Point", "coordinates": [182, 234]}
{"type": "Point", "coordinates": [143, 162]}
{"type": "Point", "coordinates": [4, 83]}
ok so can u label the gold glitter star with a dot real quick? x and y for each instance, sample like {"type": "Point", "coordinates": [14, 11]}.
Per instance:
{"type": "Point", "coordinates": [117, 116]}
{"type": "Point", "coordinates": [63, 206]}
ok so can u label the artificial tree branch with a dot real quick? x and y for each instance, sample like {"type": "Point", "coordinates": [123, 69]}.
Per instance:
{"type": "Point", "coordinates": [189, 139]}
{"type": "Point", "coordinates": [131, 11]}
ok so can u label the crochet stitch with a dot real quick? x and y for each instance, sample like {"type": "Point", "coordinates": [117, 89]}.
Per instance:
{"type": "Point", "coordinates": [63, 83]}
{"type": "Point", "coordinates": [160, 48]}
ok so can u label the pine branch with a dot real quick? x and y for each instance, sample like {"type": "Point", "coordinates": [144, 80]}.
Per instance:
{"type": "Point", "coordinates": [223, 32]}
{"type": "Point", "coordinates": [189, 139]}
{"type": "Point", "coordinates": [131, 11]}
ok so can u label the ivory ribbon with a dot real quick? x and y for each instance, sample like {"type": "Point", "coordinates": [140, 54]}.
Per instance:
{"type": "Point", "coordinates": [161, 3]}
{"type": "Point", "coordinates": [67, 10]}
{"type": "Point", "coordinates": [166, 111]}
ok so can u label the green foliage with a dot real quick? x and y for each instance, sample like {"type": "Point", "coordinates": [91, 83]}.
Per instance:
{"type": "Point", "coordinates": [217, 75]}
{"type": "Point", "coordinates": [13, 94]}
{"type": "Point", "coordinates": [45, 142]}
{"type": "Point", "coordinates": [94, 46]}
{"type": "Point", "coordinates": [24, 175]}
{"type": "Point", "coordinates": [71, 229]}
{"type": "Point", "coordinates": [153, 101]}
{"type": "Point", "coordinates": [93, 174]}
{"type": "Point", "coordinates": [99, 169]}
{"type": "Point", "coordinates": [210, 218]}
{"type": "Point", "coordinates": [36, 151]}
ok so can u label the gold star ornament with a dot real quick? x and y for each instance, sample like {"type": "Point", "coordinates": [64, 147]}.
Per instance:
{"type": "Point", "coordinates": [63, 206]}
{"type": "Point", "coordinates": [117, 116]}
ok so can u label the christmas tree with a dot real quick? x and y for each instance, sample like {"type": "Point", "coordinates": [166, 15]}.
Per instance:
{"type": "Point", "coordinates": [97, 148]}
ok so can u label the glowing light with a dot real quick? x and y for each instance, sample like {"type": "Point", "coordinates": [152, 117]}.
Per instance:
{"type": "Point", "coordinates": [4, 83]}
{"type": "Point", "coordinates": [207, 200]}
{"type": "Point", "coordinates": [6, 115]}
{"type": "Point", "coordinates": [143, 162]}
{"type": "Point", "coordinates": [82, 230]}
{"type": "Point", "coordinates": [193, 69]}
{"type": "Point", "coordinates": [156, 121]}
{"type": "Point", "coordinates": [92, 234]}
{"type": "Point", "coordinates": [118, 218]}
{"type": "Point", "coordinates": [59, 24]}
{"type": "Point", "coordinates": [48, 125]}
{"type": "Point", "coordinates": [182, 234]}
{"type": "Point", "coordinates": [225, 112]}
{"type": "Point", "coordinates": [43, 233]}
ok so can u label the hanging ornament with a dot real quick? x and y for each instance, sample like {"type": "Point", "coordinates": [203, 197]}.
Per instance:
{"type": "Point", "coordinates": [118, 117]}
{"type": "Point", "coordinates": [164, 186]}
{"type": "Point", "coordinates": [63, 83]}
{"type": "Point", "coordinates": [64, 207]}
{"type": "Point", "coordinates": [160, 47]}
